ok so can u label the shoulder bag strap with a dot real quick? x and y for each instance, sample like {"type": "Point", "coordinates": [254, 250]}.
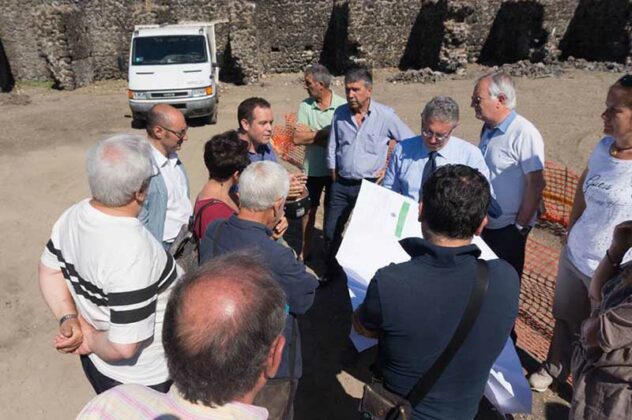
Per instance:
{"type": "Point", "coordinates": [431, 376]}
{"type": "Point", "coordinates": [197, 217]}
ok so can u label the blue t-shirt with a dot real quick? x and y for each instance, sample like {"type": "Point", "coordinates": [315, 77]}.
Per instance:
{"type": "Point", "coordinates": [417, 305]}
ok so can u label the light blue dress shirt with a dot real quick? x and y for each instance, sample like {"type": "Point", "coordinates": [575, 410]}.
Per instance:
{"type": "Point", "coordinates": [360, 152]}
{"type": "Point", "coordinates": [489, 132]}
{"type": "Point", "coordinates": [409, 158]}
{"type": "Point", "coordinates": [512, 149]}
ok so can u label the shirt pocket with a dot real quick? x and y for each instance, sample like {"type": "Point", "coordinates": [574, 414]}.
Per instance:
{"type": "Point", "coordinates": [374, 144]}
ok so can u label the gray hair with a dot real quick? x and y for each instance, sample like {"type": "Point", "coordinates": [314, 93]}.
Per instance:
{"type": "Point", "coordinates": [320, 74]}
{"type": "Point", "coordinates": [442, 108]}
{"type": "Point", "coordinates": [261, 184]}
{"type": "Point", "coordinates": [359, 74]}
{"type": "Point", "coordinates": [118, 167]}
{"type": "Point", "coordinates": [500, 83]}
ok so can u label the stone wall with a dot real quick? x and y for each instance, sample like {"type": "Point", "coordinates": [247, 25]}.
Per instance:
{"type": "Point", "coordinates": [75, 42]}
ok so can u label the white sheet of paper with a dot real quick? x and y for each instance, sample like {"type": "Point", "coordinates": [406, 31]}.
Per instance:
{"type": "Point", "coordinates": [380, 219]}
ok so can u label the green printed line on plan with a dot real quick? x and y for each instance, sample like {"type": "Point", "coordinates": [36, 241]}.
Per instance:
{"type": "Point", "coordinates": [401, 219]}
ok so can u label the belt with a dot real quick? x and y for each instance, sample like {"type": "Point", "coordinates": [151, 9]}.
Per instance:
{"type": "Point", "coordinates": [352, 182]}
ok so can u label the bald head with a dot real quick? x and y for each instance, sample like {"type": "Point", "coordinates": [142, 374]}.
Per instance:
{"type": "Point", "coordinates": [219, 327]}
{"type": "Point", "coordinates": [213, 306]}
{"type": "Point", "coordinates": [166, 128]}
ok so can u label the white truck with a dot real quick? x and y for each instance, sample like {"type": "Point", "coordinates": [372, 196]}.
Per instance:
{"type": "Point", "coordinates": [174, 64]}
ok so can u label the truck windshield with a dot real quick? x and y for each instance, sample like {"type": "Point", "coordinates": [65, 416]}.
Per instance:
{"type": "Point", "coordinates": [178, 49]}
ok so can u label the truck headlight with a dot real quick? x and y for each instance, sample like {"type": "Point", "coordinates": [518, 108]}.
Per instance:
{"type": "Point", "coordinates": [206, 91]}
{"type": "Point", "coordinates": [132, 94]}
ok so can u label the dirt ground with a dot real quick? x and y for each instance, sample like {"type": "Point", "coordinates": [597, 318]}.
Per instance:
{"type": "Point", "coordinates": [42, 172]}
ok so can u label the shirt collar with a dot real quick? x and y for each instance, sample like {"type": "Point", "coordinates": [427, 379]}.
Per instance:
{"type": "Point", "coordinates": [371, 107]}
{"type": "Point", "coordinates": [162, 160]}
{"type": "Point", "coordinates": [504, 125]}
{"type": "Point", "coordinates": [249, 225]}
{"type": "Point", "coordinates": [261, 149]}
{"type": "Point", "coordinates": [253, 411]}
{"type": "Point", "coordinates": [416, 247]}
{"type": "Point", "coordinates": [445, 152]}
{"type": "Point", "coordinates": [312, 102]}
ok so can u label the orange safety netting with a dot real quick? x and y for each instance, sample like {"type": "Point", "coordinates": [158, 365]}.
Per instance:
{"type": "Point", "coordinates": [535, 319]}
{"type": "Point", "coordinates": [559, 192]}
{"type": "Point", "coordinates": [283, 144]}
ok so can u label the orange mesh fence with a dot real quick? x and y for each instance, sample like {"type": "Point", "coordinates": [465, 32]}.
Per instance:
{"type": "Point", "coordinates": [283, 144]}
{"type": "Point", "coordinates": [535, 320]}
{"type": "Point", "coordinates": [558, 194]}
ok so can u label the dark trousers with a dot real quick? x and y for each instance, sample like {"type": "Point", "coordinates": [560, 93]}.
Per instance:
{"type": "Point", "coordinates": [102, 383]}
{"type": "Point", "coordinates": [341, 203]}
{"type": "Point", "coordinates": [509, 244]}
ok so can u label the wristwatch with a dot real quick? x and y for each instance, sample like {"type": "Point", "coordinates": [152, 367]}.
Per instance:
{"type": "Point", "coordinates": [524, 230]}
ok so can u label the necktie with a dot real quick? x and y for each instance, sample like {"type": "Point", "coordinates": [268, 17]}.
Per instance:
{"type": "Point", "coordinates": [430, 167]}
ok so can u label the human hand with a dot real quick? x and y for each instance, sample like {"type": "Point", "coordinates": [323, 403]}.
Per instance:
{"type": "Point", "coordinates": [70, 336]}
{"type": "Point", "coordinates": [380, 176]}
{"type": "Point", "coordinates": [88, 332]}
{"type": "Point", "coordinates": [297, 185]}
{"type": "Point", "coordinates": [361, 329]}
{"type": "Point", "coordinates": [621, 240]}
{"type": "Point", "coordinates": [280, 228]}
{"type": "Point", "coordinates": [589, 332]}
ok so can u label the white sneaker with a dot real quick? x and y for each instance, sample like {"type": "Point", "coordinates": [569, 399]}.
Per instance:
{"type": "Point", "coordinates": [540, 380]}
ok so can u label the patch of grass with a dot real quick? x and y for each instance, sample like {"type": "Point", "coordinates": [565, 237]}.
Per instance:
{"type": "Point", "coordinates": [40, 84]}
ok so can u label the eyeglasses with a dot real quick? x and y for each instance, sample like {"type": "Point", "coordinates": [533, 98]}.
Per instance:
{"type": "Point", "coordinates": [476, 100]}
{"type": "Point", "coordinates": [439, 136]}
{"type": "Point", "coordinates": [179, 134]}
{"type": "Point", "coordinates": [625, 81]}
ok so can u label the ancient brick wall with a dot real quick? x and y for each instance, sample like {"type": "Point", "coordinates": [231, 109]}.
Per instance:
{"type": "Point", "coordinates": [74, 42]}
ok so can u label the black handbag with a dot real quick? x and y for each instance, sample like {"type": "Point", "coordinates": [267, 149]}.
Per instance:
{"type": "Point", "coordinates": [378, 403]}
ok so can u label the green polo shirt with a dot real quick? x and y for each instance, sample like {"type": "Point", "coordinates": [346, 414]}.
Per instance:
{"type": "Point", "coordinates": [316, 119]}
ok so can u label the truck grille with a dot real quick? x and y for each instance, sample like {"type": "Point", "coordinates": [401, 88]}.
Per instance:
{"type": "Point", "coordinates": [169, 95]}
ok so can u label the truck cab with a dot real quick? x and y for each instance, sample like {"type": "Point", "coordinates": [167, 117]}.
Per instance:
{"type": "Point", "coordinates": [177, 65]}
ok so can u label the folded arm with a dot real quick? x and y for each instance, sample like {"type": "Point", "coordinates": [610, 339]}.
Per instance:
{"type": "Point", "coordinates": [97, 342]}
{"type": "Point", "coordinates": [59, 300]}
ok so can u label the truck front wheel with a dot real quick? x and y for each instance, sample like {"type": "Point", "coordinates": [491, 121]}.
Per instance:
{"type": "Point", "coordinates": [212, 119]}
{"type": "Point", "coordinates": [137, 122]}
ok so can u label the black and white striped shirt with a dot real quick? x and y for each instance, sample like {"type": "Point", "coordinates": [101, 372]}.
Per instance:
{"type": "Point", "coordinates": [120, 278]}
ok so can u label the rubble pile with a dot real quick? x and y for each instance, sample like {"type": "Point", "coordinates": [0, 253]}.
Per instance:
{"type": "Point", "coordinates": [426, 75]}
